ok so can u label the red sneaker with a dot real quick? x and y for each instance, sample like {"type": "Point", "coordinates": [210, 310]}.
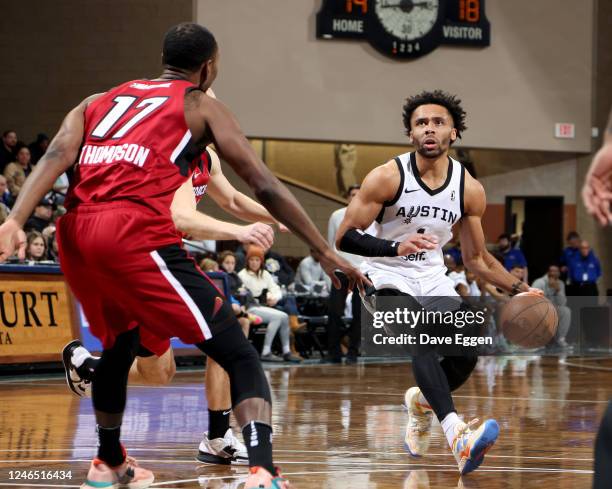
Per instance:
{"type": "Point", "coordinates": [128, 474]}
{"type": "Point", "coordinates": [260, 478]}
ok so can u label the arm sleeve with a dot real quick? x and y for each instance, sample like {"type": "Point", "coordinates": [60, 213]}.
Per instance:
{"type": "Point", "coordinates": [358, 242]}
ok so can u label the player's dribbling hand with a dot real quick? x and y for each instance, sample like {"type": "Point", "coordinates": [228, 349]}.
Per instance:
{"type": "Point", "coordinates": [12, 238]}
{"type": "Point", "coordinates": [330, 262]}
{"type": "Point", "coordinates": [417, 242]}
{"type": "Point", "coordinates": [258, 234]}
{"type": "Point", "coordinates": [532, 291]}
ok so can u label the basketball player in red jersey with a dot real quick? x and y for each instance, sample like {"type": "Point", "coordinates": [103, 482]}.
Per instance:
{"type": "Point", "coordinates": [412, 203]}
{"type": "Point", "coordinates": [154, 363]}
{"type": "Point", "coordinates": [120, 251]}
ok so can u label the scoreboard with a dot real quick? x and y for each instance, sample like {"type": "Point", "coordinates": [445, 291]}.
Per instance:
{"type": "Point", "coordinates": [405, 29]}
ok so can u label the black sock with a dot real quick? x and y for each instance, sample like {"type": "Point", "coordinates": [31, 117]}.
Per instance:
{"type": "Point", "coordinates": [218, 423]}
{"type": "Point", "coordinates": [110, 449]}
{"type": "Point", "coordinates": [258, 441]}
{"type": "Point", "coordinates": [88, 367]}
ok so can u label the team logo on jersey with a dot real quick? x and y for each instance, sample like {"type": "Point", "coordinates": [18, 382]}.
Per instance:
{"type": "Point", "coordinates": [430, 211]}
{"type": "Point", "coordinates": [453, 195]}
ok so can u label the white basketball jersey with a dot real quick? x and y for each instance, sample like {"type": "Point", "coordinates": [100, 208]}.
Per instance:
{"type": "Point", "coordinates": [418, 209]}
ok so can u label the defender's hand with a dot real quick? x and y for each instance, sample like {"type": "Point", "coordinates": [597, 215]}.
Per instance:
{"type": "Point", "coordinates": [258, 234]}
{"type": "Point", "coordinates": [597, 190]}
{"type": "Point", "coordinates": [417, 242]}
{"type": "Point", "coordinates": [331, 261]}
{"type": "Point", "coordinates": [12, 238]}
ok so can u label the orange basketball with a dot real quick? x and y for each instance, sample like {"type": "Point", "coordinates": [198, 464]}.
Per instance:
{"type": "Point", "coordinates": [529, 320]}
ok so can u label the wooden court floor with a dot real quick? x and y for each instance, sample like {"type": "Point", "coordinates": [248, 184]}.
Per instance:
{"type": "Point", "coordinates": [335, 427]}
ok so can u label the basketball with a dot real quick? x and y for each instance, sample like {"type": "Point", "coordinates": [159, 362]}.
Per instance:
{"type": "Point", "coordinates": [529, 320]}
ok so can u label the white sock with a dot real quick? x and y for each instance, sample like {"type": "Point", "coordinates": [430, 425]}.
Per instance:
{"type": "Point", "coordinates": [266, 350]}
{"type": "Point", "coordinates": [79, 355]}
{"type": "Point", "coordinates": [448, 426]}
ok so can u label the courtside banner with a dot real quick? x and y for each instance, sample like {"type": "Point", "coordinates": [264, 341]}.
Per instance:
{"type": "Point", "coordinates": [36, 317]}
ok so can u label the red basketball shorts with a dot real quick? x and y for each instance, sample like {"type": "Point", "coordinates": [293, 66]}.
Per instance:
{"type": "Point", "coordinates": [125, 277]}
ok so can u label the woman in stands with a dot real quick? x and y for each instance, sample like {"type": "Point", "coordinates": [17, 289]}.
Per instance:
{"type": "Point", "coordinates": [261, 284]}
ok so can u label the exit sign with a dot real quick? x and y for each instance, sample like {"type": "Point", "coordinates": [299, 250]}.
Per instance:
{"type": "Point", "coordinates": [565, 130]}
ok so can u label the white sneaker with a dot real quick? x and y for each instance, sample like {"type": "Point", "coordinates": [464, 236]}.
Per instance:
{"type": "Point", "coordinates": [418, 429]}
{"type": "Point", "coordinates": [79, 386]}
{"type": "Point", "coordinates": [223, 451]}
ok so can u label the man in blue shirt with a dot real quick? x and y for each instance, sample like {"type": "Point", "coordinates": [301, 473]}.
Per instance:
{"type": "Point", "coordinates": [569, 252]}
{"type": "Point", "coordinates": [512, 256]}
{"type": "Point", "coordinates": [583, 271]}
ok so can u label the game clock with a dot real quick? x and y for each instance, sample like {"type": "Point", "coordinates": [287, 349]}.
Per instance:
{"type": "Point", "coordinates": [405, 29]}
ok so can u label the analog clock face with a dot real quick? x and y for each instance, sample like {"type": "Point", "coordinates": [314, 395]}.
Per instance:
{"type": "Point", "coordinates": [407, 20]}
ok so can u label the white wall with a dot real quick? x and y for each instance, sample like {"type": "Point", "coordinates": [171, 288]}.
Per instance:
{"type": "Point", "coordinates": [283, 83]}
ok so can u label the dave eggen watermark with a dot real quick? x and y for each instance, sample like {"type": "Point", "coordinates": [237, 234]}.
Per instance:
{"type": "Point", "coordinates": [408, 318]}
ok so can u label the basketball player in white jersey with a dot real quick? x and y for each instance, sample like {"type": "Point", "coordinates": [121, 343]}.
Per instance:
{"type": "Point", "coordinates": [401, 219]}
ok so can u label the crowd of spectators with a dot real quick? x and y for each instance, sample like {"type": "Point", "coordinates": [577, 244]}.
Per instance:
{"type": "Point", "coordinates": [17, 160]}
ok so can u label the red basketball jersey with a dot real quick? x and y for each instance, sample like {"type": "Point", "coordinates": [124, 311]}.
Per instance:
{"type": "Point", "coordinates": [136, 148]}
{"type": "Point", "coordinates": [201, 176]}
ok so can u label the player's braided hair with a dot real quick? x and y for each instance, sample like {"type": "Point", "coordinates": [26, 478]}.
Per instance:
{"type": "Point", "coordinates": [187, 46]}
{"type": "Point", "coordinates": [437, 97]}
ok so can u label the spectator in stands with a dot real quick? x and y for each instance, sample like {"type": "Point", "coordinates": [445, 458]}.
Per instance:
{"type": "Point", "coordinates": [36, 248]}
{"type": "Point", "coordinates": [5, 194]}
{"type": "Point", "coordinates": [569, 252]}
{"type": "Point", "coordinates": [7, 148]}
{"type": "Point", "coordinates": [512, 256]}
{"type": "Point", "coordinates": [311, 276]}
{"type": "Point", "coordinates": [265, 290]}
{"type": "Point", "coordinates": [17, 171]}
{"type": "Point", "coordinates": [457, 275]}
{"type": "Point", "coordinates": [337, 297]}
{"type": "Point", "coordinates": [209, 265]}
{"type": "Point", "coordinates": [584, 270]}
{"type": "Point", "coordinates": [52, 252]}
{"type": "Point", "coordinates": [554, 291]}
{"type": "Point", "coordinates": [453, 248]}
{"type": "Point", "coordinates": [41, 218]}
{"type": "Point", "coordinates": [519, 272]}
{"type": "Point", "coordinates": [277, 265]}
{"type": "Point", "coordinates": [39, 147]}
{"type": "Point", "coordinates": [227, 262]}
{"type": "Point", "coordinates": [4, 212]}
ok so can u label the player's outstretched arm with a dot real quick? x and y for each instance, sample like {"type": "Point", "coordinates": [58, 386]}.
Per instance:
{"type": "Point", "coordinates": [60, 156]}
{"type": "Point", "coordinates": [231, 199]}
{"type": "Point", "coordinates": [223, 129]}
{"type": "Point", "coordinates": [378, 187]}
{"type": "Point", "coordinates": [597, 190]}
{"type": "Point", "coordinates": [476, 257]}
{"type": "Point", "coordinates": [198, 225]}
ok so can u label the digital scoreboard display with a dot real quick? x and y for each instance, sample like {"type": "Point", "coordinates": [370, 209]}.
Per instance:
{"type": "Point", "coordinates": [405, 28]}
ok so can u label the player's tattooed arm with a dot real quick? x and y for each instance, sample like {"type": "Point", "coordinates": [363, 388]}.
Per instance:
{"type": "Point", "coordinates": [474, 252]}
